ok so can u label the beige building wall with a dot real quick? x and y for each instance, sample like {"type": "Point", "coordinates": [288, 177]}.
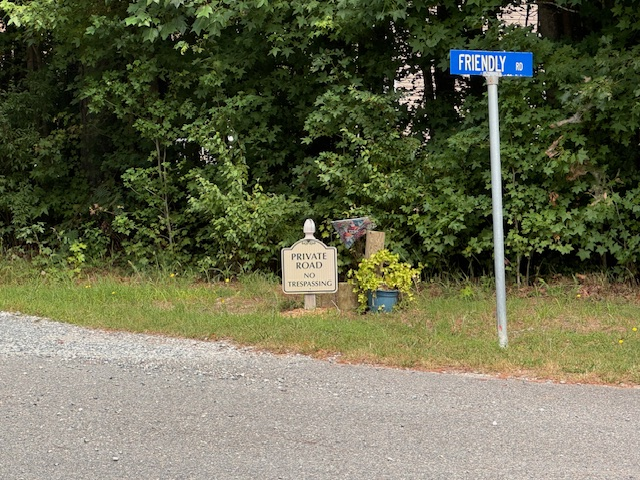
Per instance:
{"type": "Point", "coordinates": [411, 86]}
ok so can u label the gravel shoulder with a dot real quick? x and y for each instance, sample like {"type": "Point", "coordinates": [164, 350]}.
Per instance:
{"type": "Point", "coordinates": [77, 403]}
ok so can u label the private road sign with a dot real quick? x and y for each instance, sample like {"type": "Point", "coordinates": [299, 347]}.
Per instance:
{"type": "Point", "coordinates": [309, 266]}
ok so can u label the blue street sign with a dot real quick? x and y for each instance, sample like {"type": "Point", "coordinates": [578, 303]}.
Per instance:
{"type": "Point", "coordinates": [479, 62]}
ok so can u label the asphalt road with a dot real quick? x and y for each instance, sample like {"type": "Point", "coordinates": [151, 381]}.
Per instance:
{"type": "Point", "coordinates": [81, 404]}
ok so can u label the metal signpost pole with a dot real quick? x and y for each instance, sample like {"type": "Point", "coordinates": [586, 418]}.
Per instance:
{"type": "Point", "coordinates": [497, 205]}
{"type": "Point", "coordinates": [493, 65]}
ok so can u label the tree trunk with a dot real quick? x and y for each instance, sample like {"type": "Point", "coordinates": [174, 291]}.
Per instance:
{"type": "Point", "coordinates": [559, 22]}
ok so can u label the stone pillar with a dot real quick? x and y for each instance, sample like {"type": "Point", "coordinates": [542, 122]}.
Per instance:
{"type": "Point", "coordinates": [347, 298]}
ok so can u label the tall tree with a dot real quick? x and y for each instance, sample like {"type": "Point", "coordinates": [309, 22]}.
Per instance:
{"type": "Point", "coordinates": [179, 126]}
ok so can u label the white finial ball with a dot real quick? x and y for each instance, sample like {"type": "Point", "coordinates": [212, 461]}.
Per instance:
{"type": "Point", "coordinates": [309, 228]}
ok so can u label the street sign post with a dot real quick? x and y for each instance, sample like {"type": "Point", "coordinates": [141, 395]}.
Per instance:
{"type": "Point", "coordinates": [493, 65]}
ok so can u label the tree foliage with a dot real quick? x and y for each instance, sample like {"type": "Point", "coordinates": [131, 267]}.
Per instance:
{"type": "Point", "coordinates": [205, 132]}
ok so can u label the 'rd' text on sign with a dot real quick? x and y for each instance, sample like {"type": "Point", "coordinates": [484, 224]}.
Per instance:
{"type": "Point", "coordinates": [309, 267]}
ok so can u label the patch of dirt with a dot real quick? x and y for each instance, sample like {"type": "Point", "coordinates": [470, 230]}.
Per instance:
{"type": "Point", "coordinates": [306, 312]}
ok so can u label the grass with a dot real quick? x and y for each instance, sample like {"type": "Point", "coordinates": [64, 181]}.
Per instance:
{"type": "Point", "coordinates": [569, 332]}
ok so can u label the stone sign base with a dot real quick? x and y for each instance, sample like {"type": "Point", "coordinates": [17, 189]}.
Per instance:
{"type": "Point", "coordinates": [344, 299]}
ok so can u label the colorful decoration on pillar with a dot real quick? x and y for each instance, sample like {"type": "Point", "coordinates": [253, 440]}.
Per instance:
{"type": "Point", "coordinates": [350, 230]}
